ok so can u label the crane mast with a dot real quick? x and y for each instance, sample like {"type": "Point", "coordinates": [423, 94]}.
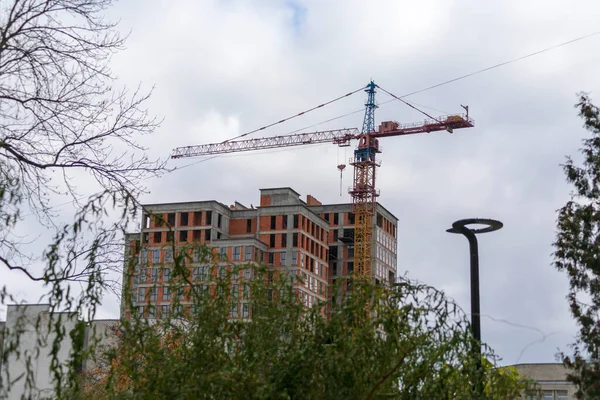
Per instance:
{"type": "Point", "coordinates": [363, 191]}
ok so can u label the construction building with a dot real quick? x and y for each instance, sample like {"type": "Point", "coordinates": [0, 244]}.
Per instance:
{"type": "Point", "coordinates": [305, 239]}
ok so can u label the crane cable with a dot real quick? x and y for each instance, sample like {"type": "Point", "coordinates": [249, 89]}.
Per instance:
{"type": "Point", "coordinates": [408, 104]}
{"type": "Point", "coordinates": [294, 116]}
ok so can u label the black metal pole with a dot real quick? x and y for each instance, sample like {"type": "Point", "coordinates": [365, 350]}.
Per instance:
{"type": "Point", "coordinates": [461, 227]}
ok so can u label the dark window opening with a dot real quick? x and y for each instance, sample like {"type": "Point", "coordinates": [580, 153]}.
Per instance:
{"type": "Point", "coordinates": [295, 221]}
{"type": "Point", "coordinates": [219, 220]}
{"type": "Point", "coordinates": [351, 218]}
{"type": "Point", "coordinates": [273, 221]}
{"type": "Point", "coordinates": [284, 240]}
{"type": "Point", "coordinates": [208, 218]}
{"type": "Point", "coordinates": [184, 219]}
{"type": "Point", "coordinates": [171, 219]}
{"type": "Point", "coordinates": [271, 258]}
{"type": "Point", "coordinates": [335, 235]}
{"type": "Point", "coordinates": [248, 225]}
{"type": "Point", "coordinates": [146, 237]}
{"type": "Point", "coordinates": [218, 235]}
{"type": "Point", "coordinates": [336, 219]}
{"type": "Point", "coordinates": [198, 218]}
{"type": "Point", "coordinates": [170, 236]}
{"type": "Point", "coordinates": [295, 240]}
{"type": "Point", "coordinates": [197, 234]}
{"type": "Point", "coordinates": [350, 267]}
{"type": "Point", "coordinates": [326, 217]}
{"type": "Point", "coordinates": [272, 240]}
{"type": "Point", "coordinates": [334, 268]}
{"type": "Point", "coordinates": [333, 252]}
{"type": "Point", "coordinates": [157, 237]}
{"type": "Point", "coordinates": [350, 251]}
{"type": "Point", "coordinates": [158, 220]}
{"type": "Point", "coordinates": [379, 220]}
{"type": "Point", "coordinates": [208, 235]}
{"type": "Point", "coordinates": [183, 236]}
{"type": "Point", "coordinates": [284, 221]}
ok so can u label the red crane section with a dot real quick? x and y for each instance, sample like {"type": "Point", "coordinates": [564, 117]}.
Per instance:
{"type": "Point", "coordinates": [341, 137]}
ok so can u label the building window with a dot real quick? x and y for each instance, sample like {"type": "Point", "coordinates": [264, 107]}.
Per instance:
{"type": "Point", "coordinates": [294, 240]}
{"type": "Point", "coordinates": [350, 267]}
{"type": "Point", "coordinates": [294, 258]}
{"type": "Point", "coordinates": [234, 311]}
{"type": "Point", "coordinates": [157, 237]}
{"type": "Point", "coordinates": [247, 273]}
{"type": "Point", "coordinates": [284, 240]}
{"type": "Point", "coordinates": [154, 277]}
{"type": "Point", "coordinates": [272, 241]}
{"type": "Point", "coordinates": [170, 236]}
{"type": "Point", "coordinates": [209, 218]}
{"type": "Point", "coordinates": [326, 217]}
{"type": "Point", "coordinates": [334, 268]}
{"type": "Point", "coordinates": [219, 219]}
{"type": "Point", "coordinates": [245, 310]}
{"type": "Point", "coordinates": [180, 293]}
{"type": "Point", "coordinates": [234, 291]}
{"type": "Point", "coordinates": [222, 271]}
{"type": "Point", "coordinates": [223, 253]}
{"type": "Point", "coordinates": [155, 256]}
{"type": "Point", "coordinates": [246, 292]}
{"type": "Point", "coordinates": [159, 220]}
{"type": "Point", "coordinates": [168, 255]}
{"type": "Point", "coordinates": [166, 293]}
{"type": "Point", "coordinates": [271, 258]}
{"type": "Point", "coordinates": [196, 273]}
{"type": "Point", "coordinates": [184, 219]}
{"type": "Point", "coordinates": [273, 222]}
{"type": "Point", "coordinates": [336, 218]}
{"type": "Point", "coordinates": [183, 235]}
{"type": "Point", "coordinates": [295, 221]}
{"type": "Point", "coordinates": [562, 395]}
{"type": "Point", "coordinates": [247, 253]}
{"type": "Point", "coordinates": [143, 257]}
{"type": "Point", "coordinates": [248, 225]}
{"type": "Point", "coordinates": [171, 219]}
{"type": "Point", "coordinates": [153, 293]}
{"type": "Point", "coordinates": [284, 221]}
{"type": "Point", "coordinates": [270, 277]}
{"type": "Point", "coordinates": [237, 253]}
{"type": "Point", "coordinates": [141, 311]}
{"type": "Point", "coordinates": [164, 311]}
{"type": "Point", "coordinates": [141, 294]}
{"type": "Point", "coordinates": [317, 268]}
{"type": "Point", "coordinates": [351, 218]}
{"type": "Point", "coordinates": [167, 274]}
{"type": "Point", "coordinates": [282, 258]}
{"type": "Point", "coordinates": [204, 272]}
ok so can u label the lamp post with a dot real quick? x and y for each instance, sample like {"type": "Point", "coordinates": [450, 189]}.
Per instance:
{"type": "Point", "coordinates": [461, 226]}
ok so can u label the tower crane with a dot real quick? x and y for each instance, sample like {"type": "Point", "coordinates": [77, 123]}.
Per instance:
{"type": "Point", "coordinates": [363, 191]}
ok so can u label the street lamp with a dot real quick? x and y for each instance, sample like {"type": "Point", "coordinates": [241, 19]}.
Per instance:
{"type": "Point", "coordinates": [460, 226]}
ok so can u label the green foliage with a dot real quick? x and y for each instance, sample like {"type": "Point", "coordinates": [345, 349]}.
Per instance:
{"type": "Point", "coordinates": [404, 342]}
{"type": "Point", "coordinates": [577, 253]}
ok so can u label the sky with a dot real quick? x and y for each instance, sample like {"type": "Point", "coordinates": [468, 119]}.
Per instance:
{"type": "Point", "coordinates": [220, 68]}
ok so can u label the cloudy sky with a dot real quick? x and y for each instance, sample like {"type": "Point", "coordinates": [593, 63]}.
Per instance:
{"type": "Point", "coordinates": [222, 68]}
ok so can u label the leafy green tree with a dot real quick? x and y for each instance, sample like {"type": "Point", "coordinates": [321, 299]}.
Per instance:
{"type": "Point", "coordinates": [577, 253]}
{"type": "Point", "coordinates": [403, 342]}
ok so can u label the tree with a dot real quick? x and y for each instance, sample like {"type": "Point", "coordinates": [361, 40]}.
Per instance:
{"type": "Point", "coordinates": [64, 122]}
{"type": "Point", "coordinates": [577, 253]}
{"type": "Point", "coordinates": [404, 342]}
